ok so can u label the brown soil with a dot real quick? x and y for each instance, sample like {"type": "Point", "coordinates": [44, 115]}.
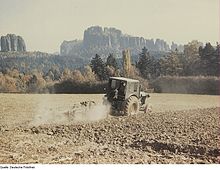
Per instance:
{"type": "Point", "coordinates": [186, 130]}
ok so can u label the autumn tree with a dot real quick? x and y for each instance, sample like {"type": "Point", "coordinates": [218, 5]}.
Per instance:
{"type": "Point", "coordinates": [77, 76]}
{"type": "Point", "coordinates": [36, 83]}
{"type": "Point", "coordinates": [54, 73]}
{"type": "Point", "coordinates": [126, 63]}
{"type": "Point", "coordinates": [171, 64]}
{"type": "Point", "coordinates": [66, 74]}
{"type": "Point", "coordinates": [89, 74]}
{"type": "Point", "coordinates": [7, 83]}
{"type": "Point", "coordinates": [49, 76]}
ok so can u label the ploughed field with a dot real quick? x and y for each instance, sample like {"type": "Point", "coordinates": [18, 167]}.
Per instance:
{"type": "Point", "coordinates": [180, 129]}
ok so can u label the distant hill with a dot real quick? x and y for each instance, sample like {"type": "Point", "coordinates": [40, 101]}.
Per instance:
{"type": "Point", "coordinates": [111, 40]}
{"type": "Point", "coordinates": [76, 54]}
{"type": "Point", "coordinates": [28, 61]}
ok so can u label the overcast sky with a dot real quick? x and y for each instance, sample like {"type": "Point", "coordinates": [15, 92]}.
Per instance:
{"type": "Point", "coordinates": [44, 24]}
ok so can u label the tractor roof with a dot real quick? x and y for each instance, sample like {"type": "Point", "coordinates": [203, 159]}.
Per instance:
{"type": "Point", "coordinates": [124, 79]}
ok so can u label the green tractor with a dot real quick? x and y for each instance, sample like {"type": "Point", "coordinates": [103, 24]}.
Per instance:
{"type": "Point", "coordinates": [125, 96]}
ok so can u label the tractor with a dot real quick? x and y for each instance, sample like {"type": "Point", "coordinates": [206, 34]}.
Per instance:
{"type": "Point", "coordinates": [125, 96]}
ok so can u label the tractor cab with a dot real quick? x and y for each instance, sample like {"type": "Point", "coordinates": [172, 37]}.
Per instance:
{"type": "Point", "coordinates": [120, 88]}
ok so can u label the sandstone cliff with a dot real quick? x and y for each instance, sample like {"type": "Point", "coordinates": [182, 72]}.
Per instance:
{"type": "Point", "coordinates": [99, 40]}
{"type": "Point", "coordinates": [11, 42]}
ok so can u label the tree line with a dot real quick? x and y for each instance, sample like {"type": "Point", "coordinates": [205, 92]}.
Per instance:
{"type": "Point", "coordinates": [196, 60]}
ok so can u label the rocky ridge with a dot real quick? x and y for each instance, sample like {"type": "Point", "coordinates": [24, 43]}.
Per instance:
{"type": "Point", "coordinates": [12, 42]}
{"type": "Point", "coordinates": [97, 39]}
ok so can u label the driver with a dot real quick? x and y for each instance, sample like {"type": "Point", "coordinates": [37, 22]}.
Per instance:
{"type": "Point", "coordinates": [115, 94]}
{"type": "Point", "coordinates": [122, 88]}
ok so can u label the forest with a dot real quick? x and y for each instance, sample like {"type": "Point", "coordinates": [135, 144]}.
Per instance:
{"type": "Point", "coordinates": [195, 70]}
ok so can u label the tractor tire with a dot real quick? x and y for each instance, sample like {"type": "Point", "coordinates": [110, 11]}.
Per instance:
{"type": "Point", "coordinates": [131, 106]}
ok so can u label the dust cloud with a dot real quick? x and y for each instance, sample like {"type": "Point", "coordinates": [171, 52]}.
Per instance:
{"type": "Point", "coordinates": [47, 112]}
{"type": "Point", "coordinates": [95, 113]}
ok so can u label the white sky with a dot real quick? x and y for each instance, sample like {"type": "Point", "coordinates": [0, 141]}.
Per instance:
{"type": "Point", "coordinates": [44, 24]}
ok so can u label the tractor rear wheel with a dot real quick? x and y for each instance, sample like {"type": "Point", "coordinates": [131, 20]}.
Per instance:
{"type": "Point", "coordinates": [131, 106]}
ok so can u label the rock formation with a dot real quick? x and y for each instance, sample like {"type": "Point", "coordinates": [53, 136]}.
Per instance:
{"type": "Point", "coordinates": [11, 42]}
{"type": "Point", "coordinates": [97, 39]}
{"type": "Point", "coordinates": [177, 47]}
{"type": "Point", "coordinates": [68, 47]}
